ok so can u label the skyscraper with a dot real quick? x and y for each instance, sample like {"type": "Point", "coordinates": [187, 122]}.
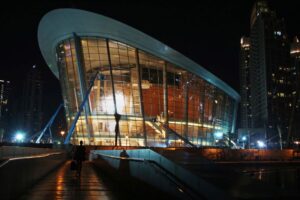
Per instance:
{"type": "Point", "coordinates": [295, 115]}
{"type": "Point", "coordinates": [4, 107]}
{"type": "Point", "coordinates": [31, 119]}
{"type": "Point", "coordinates": [270, 75]}
{"type": "Point", "coordinates": [245, 108]}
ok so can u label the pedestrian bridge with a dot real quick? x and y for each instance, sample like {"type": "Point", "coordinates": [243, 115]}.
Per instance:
{"type": "Point", "coordinates": [44, 173]}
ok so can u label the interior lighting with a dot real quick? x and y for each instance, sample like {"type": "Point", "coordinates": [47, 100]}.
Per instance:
{"type": "Point", "coordinates": [218, 135]}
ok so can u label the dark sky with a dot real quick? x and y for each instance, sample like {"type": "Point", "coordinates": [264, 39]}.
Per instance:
{"type": "Point", "coordinates": [207, 32]}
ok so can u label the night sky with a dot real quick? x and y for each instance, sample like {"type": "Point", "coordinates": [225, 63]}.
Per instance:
{"type": "Point", "coordinates": [207, 32]}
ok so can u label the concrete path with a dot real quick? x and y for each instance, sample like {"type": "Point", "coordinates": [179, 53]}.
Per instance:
{"type": "Point", "coordinates": [64, 184]}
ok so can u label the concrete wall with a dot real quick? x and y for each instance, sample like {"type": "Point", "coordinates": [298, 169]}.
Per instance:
{"type": "Point", "coordinates": [16, 151]}
{"type": "Point", "coordinates": [19, 175]}
{"type": "Point", "coordinates": [145, 172]}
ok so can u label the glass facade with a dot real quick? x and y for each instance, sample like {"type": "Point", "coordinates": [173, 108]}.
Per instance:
{"type": "Point", "coordinates": [154, 97]}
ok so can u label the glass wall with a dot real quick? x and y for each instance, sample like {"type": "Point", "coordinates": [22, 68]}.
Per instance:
{"type": "Point", "coordinates": [137, 85]}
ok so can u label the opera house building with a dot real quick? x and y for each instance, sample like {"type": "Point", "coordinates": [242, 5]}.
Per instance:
{"type": "Point", "coordinates": [162, 98]}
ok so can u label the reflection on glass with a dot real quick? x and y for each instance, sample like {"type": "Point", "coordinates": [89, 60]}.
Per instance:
{"type": "Point", "coordinates": [196, 109]}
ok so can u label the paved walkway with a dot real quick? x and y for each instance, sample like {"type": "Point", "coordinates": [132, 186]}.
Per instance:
{"type": "Point", "coordinates": [63, 184]}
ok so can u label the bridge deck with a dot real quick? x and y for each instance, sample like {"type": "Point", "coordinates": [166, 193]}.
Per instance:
{"type": "Point", "coordinates": [64, 184]}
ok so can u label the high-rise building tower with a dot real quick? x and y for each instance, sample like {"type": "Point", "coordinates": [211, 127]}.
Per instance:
{"type": "Point", "coordinates": [270, 75]}
{"type": "Point", "coordinates": [294, 126]}
{"type": "Point", "coordinates": [245, 108]}
{"type": "Point", "coordinates": [32, 102]}
{"type": "Point", "coordinates": [4, 107]}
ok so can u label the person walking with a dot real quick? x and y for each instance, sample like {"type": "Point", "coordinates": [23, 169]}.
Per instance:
{"type": "Point", "coordinates": [79, 156]}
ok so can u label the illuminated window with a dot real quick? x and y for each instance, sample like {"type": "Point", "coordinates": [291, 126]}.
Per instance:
{"type": "Point", "coordinates": [277, 33]}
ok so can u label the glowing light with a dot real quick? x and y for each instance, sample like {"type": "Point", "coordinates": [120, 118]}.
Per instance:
{"type": "Point", "coordinates": [244, 138]}
{"type": "Point", "coordinates": [218, 135]}
{"type": "Point", "coordinates": [261, 144]}
{"type": "Point", "coordinates": [108, 103]}
{"type": "Point", "coordinates": [19, 137]}
{"type": "Point", "coordinates": [111, 125]}
{"type": "Point", "coordinates": [277, 33]}
{"type": "Point", "coordinates": [295, 51]}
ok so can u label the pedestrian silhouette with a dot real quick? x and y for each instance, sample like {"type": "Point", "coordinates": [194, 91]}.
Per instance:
{"type": "Point", "coordinates": [124, 154]}
{"type": "Point", "coordinates": [124, 163]}
{"type": "Point", "coordinates": [79, 156]}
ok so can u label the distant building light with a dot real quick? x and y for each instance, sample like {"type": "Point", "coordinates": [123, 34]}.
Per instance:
{"type": "Point", "coordinates": [20, 136]}
{"type": "Point", "coordinates": [295, 51]}
{"type": "Point", "coordinates": [261, 144]}
{"type": "Point", "coordinates": [277, 33]}
{"type": "Point", "coordinates": [218, 135]}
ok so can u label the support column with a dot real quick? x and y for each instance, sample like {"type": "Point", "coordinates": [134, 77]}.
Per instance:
{"type": "Point", "coordinates": [141, 94]}
{"type": "Point", "coordinates": [186, 105]}
{"type": "Point", "coordinates": [82, 81]}
{"type": "Point", "coordinates": [165, 97]}
{"type": "Point", "coordinates": [202, 116]}
{"type": "Point", "coordinates": [234, 117]}
{"type": "Point", "coordinates": [117, 116]}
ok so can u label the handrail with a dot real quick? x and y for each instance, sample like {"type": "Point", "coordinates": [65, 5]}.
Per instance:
{"type": "Point", "coordinates": [182, 187]}
{"type": "Point", "coordinates": [29, 157]}
{"type": "Point", "coordinates": [171, 131]}
{"type": "Point", "coordinates": [178, 135]}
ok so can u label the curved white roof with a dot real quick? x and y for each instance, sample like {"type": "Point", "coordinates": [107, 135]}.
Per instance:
{"type": "Point", "coordinates": [60, 24]}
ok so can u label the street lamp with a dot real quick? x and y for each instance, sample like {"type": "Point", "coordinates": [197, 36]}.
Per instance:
{"type": "Point", "coordinates": [19, 136]}
{"type": "Point", "coordinates": [62, 133]}
{"type": "Point", "coordinates": [244, 138]}
{"type": "Point", "coordinates": [260, 144]}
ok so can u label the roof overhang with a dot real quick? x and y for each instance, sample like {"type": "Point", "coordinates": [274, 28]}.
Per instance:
{"type": "Point", "coordinates": [60, 24]}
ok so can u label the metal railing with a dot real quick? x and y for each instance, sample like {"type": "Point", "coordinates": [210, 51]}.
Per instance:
{"type": "Point", "coordinates": [28, 157]}
{"type": "Point", "coordinates": [180, 185]}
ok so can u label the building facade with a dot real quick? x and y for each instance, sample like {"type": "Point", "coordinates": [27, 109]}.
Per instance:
{"type": "Point", "coordinates": [270, 75]}
{"type": "Point", "coordinates": [5, 87]}
{"type": "Point", "coordinates": [31, 107]}
{"type": "Point", "coordinates": [155, 90]}
{"type": "Point", "coordinates": [245, 106]}
{"type": "Point", "coordinates": [293, 133]}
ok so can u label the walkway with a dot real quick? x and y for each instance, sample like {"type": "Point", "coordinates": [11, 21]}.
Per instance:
{"type": "Point", "coordinates": [63, 184]}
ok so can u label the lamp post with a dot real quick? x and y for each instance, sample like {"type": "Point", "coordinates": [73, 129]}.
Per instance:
{"type": "Point", "coordinates": [62, 133]}
{"type": "Point", "coordinates": [244, 138]}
